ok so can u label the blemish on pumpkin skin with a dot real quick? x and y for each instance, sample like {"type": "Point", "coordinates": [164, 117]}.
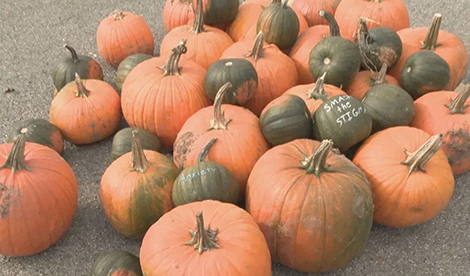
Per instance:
{"type": "Point", "coordinates": [7, 197]}
{"type": "Point", "coordinates": [458, 145]}
{"type": "Point", "coordinates": [183, 147]}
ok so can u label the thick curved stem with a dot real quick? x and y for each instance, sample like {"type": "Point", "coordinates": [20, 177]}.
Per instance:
{"type": "Point", "coordinates": [198, 25]}
{"type": "Point", "coordinates": [15, 161]}
{"type": "Point", "coordinates": [139, 161]}
{"type": "Point", "coordinates": [257, 52]}
{"type": "Point", "coordinates": [318, 91]}
{"type": "Point", "coordinates": [430, 42]}
{"type": "Point", "coordinates": [457, 106]}
{"type": "Point", "coordinates": [171, 65]}
{"type": "Point", "coordinates": [203, 239]}
{"type": "Point", "coordinates": [316, 164]}
{"type": "Point", "coordinates": [380, 77]}
{"type": "Point", "coordinates": [416, 160]}
{"type": "Point", "coordinates": [334, 27]}
{"type": "Point", "coordinates": [219, 121]}
{"type": "Point", "coordinates": [206, 149]}
{"type": "Point", "coordinates": [73, 52]}
{"type": "Point", "coordinates": [81, 89]}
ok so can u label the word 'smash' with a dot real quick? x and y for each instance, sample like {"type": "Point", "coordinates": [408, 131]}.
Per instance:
{"type": "Point", "coordinates": [343, 106]}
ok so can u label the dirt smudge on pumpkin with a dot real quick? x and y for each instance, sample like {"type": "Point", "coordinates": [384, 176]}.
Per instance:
{"type": "Point", "coordinates": [458, 145]}
{"type": "Point", "coordinates": [183, 146]}
{"type": "Point", "coordinates": [7, 197]}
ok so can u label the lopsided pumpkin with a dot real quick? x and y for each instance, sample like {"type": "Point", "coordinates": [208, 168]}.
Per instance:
{"type": "Point", "coordinates": [122, 141]}
{"type": "Point", "coordinates": [116, 263]}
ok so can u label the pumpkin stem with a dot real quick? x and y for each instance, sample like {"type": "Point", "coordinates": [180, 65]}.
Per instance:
{"type": "Point", "coordinates": [363, 31]}
{"type": "Point", "coordinates": [15, 161]}
{"type": "Point", "coordinates": [118, 15]}
{"type": "Point", "coordinates": [219, 121]}
{"type": "Point", "coordinates": [203, 239]}
{"type": "Point", "coordinates": [171, 66]}
{"type": "Point", "coordinates": [430, 42]}
{"type": "Point", "coordinates": [81, 89]}
{"type": "Point", "coordinates": [257, 52]}
{"type": "Point", "coordinates": [380, 77]}
{"type": "Point", "coordinates": [416, 160]}
{"type": "Point", "coordinates": [206, 149]}
{"type": "Point", "coordinates": [139, 161]}
{"type": "Point", "coordinates": [198, 25]}
{"type": "Point", "coordinates": [318, 91]}
{"type": "Point", "coordinates": [73, 52]}
{"type": "Point", "coordinates": [316, 163]}
{"type": "Point", "coordinates": [457, 106]}
{"type": "Point", "coordinates": [334, 27]}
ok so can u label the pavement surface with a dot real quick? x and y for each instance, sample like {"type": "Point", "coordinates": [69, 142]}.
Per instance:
{"type": "Point", "coordinates": [31, 37]}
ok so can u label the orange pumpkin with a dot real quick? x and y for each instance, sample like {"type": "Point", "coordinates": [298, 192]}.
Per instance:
{"type": "Point", "coordinates": [122, 34]}
{"type": "Point", "coordinates": [86, 111]}
{"type": "Point", "coordinates": [310, 9]}
{"type": "Point", "coordinates": [198, 36]}
{"type": "Point", "coordinates": [38, 198]}
{"type": "Point", "coordinates": [177, 13]}
{"type": "Point", "coordinates": [276, 71]}
{"type": "Point", "coordinates": [445, 44]}
{"type": "Point", "coordinates": [314, 210]}
{"type": "Point", "coordinates": [177, 90]}
{"type": "Point", "coordinates": [205, 238]}
{"type": "Point", "coordinates": [240, 142]}
{"type": "Point", "coordinates": [448, 113]}
{"type": "Point", "coordinates": [248, 14]}
{"type": "Point", "coordinates": [366, 79]}
{"type": "Point", "coordinates": [411, 178]}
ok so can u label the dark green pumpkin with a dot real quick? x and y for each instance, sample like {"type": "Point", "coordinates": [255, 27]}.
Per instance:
{"type": "Point", "coordinates": [378, 46]}
{"type": "Point", "coordinates": [39, 131]}
{"type": "Point", "coordinates": [344, 120]}
{"type": "Point", "coordinates": [126, 66]}
{"type": "Point", "coordinates": [205, 180]}
{"type": "Point", "coordinates": [122, 141]}
{"type": "Point", "coordinates": [239, 72]}
{"type": "Point", "coordinates": [424, 72]}
{"type": "Point", "coordinates": [285, 119]}
{"type": "Point", "coordinates": [388, 105]}
{"type": "Point", "coordinates": [279, 24]}
{"type": "Point", "coordinates": [338, 57]}
{"type": "Point", "coordinates": [64, 70]}
{"type": "Point", "coordinates": [116, 263]}
{"type": "Point", "coordinates": [219, 12]}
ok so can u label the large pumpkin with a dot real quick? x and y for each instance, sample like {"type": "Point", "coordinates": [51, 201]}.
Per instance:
{"type": "Point", "coordinates": [411, 178]}
{"type": "Point", "coordinates": [116, 263]}
{"type": "Point", "coordinates": [366, 79]}
{"type": "Point", "coordinates": [122, 34]}
{"type": "Point", "coordinates": [38, 198]}
{"type": "Point", "coordinates": [314, 210]}
{"type": "Point", "coordinates": [177, 13]}
{"type": "Point", "coordinates": [240, 140]}
{"type": "Point", "coordinates": [135, 190]}
{"type": "Point", "coordinates": [177, 90]}
{"type": "Point", "coordinates": [122, 141]}
{"type": "Point", "coordinates": [205, 238]}
{"type": "Point", "coordinates": [447, 112]}
{"type": "Point", "coordinates": [311, 9]}
{"type": "Point", "coordinates": [126, 66]}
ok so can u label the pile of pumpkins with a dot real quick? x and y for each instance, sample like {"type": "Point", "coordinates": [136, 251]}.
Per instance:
{"type": "Point", "coordinates": [293, 126]}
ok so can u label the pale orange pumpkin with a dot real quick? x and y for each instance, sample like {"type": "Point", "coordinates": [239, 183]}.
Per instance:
{"type": "Point", "coordinates": [310, 9]}
{"type": "Point", "coordinates": [364, 80]}
{"type": "Point", "coordinates": [177, 13]}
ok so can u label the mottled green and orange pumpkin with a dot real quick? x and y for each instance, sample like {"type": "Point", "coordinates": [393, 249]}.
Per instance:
{"type": "Point", "coordinates": [116, 263]}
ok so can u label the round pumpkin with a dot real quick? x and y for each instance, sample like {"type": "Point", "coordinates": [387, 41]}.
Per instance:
{"type": "Point", "coordinates": [122, 141]}
{"type": "Point", "coordinates": [177, 13]}
{"type": "Point", "coordinates": [177, 91]}
{"type": "Point", "coordinates": [86, 111]}
{"type": "Point", "coordinates": [247, 17]}
{"type": "Point", "coordinates": [424, 72]}
{"type": "Point", "coordinates": [310, 10]}
{"type": "Point", "coordinates": [122, 34]}
{"type": "Point", "coordinates": [447, 112]}
{"type": "Point", "coordinates": [239, 72]}
{"type": "Point", "coordinates": [411, 178]}
{"type": "Point", "coordinates": [64, 71]}
{"type": "Point", "coordinates": [240, 140]}
{"type": "Point", "coordinates": [285, 119]}
{"type": "Point", "coordinates": [116, 263]}
{"type": "Point", "coordinates": [39, 131]}
{"type": "Point", "coordinates": [218, 13]}
{"type": "Point", "coordinates": [135, 190]}
{"type": "Point", "coordinates": [205, 238]}
{"type": "Point", "coordinates": [126, 66]}
{"type": "Point", "coordinates": [38, 198]}
{"type": "Point", "coordinates": [364, 80]}
{"type": "Point", "coordinates": [315, 211]}
{"type": "Point", "coordinates": [342, 119]}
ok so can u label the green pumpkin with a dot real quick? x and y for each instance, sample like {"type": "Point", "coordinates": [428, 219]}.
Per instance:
{"type": "Point", "coordinates": [219, 12]}
{"type": "Point", "coordinates": [388, 105]}
{"type": "Point", "coordinates": [64, 70]}
{"type": "Point", "coordinates": [205, 180]}
{"type": "Point", "coordinates": [126, 66]}
{"type": "Point", "coordinates": [285, 119]}
{"type": "Point", "coordinates": [279, 24]}
{"type": "Point", "coordinates": [424, 72]}
{"type": "Point", "coordinates": [344, 120]}
{"type": "Point", "coordinates": [39, 131]}
{"type": "Point", "coordinates": [338, 57]}
{"type": "Point", "coordinates": [116, 263]}
{"type": "Point", "coordinates": [122, 141]}
{"type": "Point", "coordinates": [239, 72]}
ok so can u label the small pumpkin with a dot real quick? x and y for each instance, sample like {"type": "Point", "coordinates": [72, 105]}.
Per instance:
{"type": "Point", "coordinates": [126, 66]}
{"type": "Point", "coordinates": [99, 111]}
{"type": "Point", "coordinates": [205, 180]}
{"type": "Point", "coordinates": [201, 238]}
{"type": "Point", "coordinates": [39, 131]}
{"type": "Point", "coordinates": [39, 187]}
{"type": "Point", "coordinates": [247, 17]}
{"type": "Point", "coordinates": [285, 119]}
{"type": "Point", "coordinates": [239, 72]}
{"type": "Point", "coordinates": [315, 210]}
{"type": "Point", "coordinates": [364, 80]}
{"type": "Point", "coordinates": [218, 13]}
{"type": "Point", "coordinates": [64, 71]}
{"type": "Point", "coordinates": [424, 72]}
{"type": "Point", "coordinates": [122, 34]}
{"type": "Point", "coordinates": [135, 190]}
{"type": "Point", "coordinates": [115, 263]}
{"type": "Point", "coordinates": [411, 178]}
{"type": "Point", "coordinates": [342, 119]}
{"type": "Point", "coordinates": [310, 10]}
{"type": "Point", "coordinates": [122, 141]}
{"type": "Point", "coordinates": [177, 13]}
{"type": "Point", "coordinates": [448, 112]}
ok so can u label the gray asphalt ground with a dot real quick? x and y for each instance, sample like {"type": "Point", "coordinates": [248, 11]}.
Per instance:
{"type": "Point", "coordinates": [31, 37]}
